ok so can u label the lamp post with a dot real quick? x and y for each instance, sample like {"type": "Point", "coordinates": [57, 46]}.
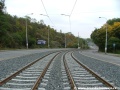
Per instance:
{"type": "Point", "coordinates": [0, 7]}
{"type": "Point", "coordinates": [78, 41]}
{"type": "Point", "coordinates": [48, 31]}
{"type": "Point", "coordinates": [48, 37]}
{"type": "Point", "coordinates": [70, 27]}
{"type": "Point", "coordinates": [65, 40]}
{"type": "Point", "coordinates": [27, 31]}
{"type": "Point", "coordinates": [106, 36]}
{"type": "Point", "coordinates": [69, 20]}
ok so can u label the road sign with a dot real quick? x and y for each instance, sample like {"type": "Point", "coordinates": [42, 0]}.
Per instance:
{"type": "Point", "coordinates": [41, 42]}
{"type": "Point", "coordinates": [114, 44]}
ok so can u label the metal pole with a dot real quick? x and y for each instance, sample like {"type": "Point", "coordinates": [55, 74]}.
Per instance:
{"type": "Point", "coordinates": [27, 32]}
{"type": "Point", "coordinates": [70, 23]}
{"type": "Point", "coordinates": [78, 40]}
{"type": "Point", "coordinates": [65, 40]}
{"type": "Point", "coordinates": [0, 6]}
{"type": "Point", "coordinates": [106, 36]}
{"type": "Point", "coordinates": [69, 20]}
{"type": "Point", "coordinates": [70, 27]}
{"type": "Point", "coordinates": [106, 41]}
{"type": "Point", "coordinates": [48, 31]}
{"type": "Point", "coordinates": [26, 35]}
{"type": "Point", "coordinates": [48, 37]}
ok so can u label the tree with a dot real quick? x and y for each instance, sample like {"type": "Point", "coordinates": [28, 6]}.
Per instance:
{"type": "Point", "coordinates": [2, 4]}
{"type": "Point", "coordinates": [111, 21]}
{"type": "Point", "coordinates": [113, 42]}
{"type": "Point", "coordinates": [98, 37]}
{"type": "Point", "coordinates": [13, 33]}
{"type": "Point", "coordinates": [113, 35]}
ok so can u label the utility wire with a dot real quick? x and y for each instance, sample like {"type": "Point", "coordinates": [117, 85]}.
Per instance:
{"type": "Point", "coordinates": [44, 7]}
{"type": "Point", "coordinates": [47, 13]}
{"type": "Point", "coordinates": [71, 14]}
{"type": "Point", "coordinates": [73, 7]}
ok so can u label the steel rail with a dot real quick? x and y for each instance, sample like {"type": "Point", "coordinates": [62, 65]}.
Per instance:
{"type": "Point", "coordinates": [72, 83]}
{"type": "Point", "coordinates": [20, 70]}
{"type": "Point", "coordinates": [94, 74]}
{"type": "Point", "coordinates": [38, 81]}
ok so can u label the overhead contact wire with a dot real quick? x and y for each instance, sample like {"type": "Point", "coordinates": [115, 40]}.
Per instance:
{"type": "Point", "coordinates": [73, 7]}
{"type": "Point", "coordinates": [47, 13]}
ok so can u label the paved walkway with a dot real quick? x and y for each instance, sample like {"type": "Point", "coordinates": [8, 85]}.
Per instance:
{"type": "Point", "coordinates": [8, 54]}
{"type": "Point", "coordinates": [110, 58]}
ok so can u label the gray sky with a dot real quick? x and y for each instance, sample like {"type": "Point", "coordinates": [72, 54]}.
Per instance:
{"type": "Point", "coordinates": [84, 18]}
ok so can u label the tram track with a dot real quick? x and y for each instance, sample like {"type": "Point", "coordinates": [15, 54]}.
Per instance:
{"type": "Point", "coordinates": [29, 77]}
{"type": "Point", "coordinates": [56, 71]}
{"type": "Point", "coordinates": [35, 87]}
{"type": "Point", "coordinates": [81, 77]}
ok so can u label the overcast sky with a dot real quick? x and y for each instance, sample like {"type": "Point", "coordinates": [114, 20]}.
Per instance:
{"type": "Point", "coordinates": [84, 18]}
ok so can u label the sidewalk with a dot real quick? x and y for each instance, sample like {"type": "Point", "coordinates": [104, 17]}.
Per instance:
{"type": "Point", "coordinates": [117, 55]}
{"type": "Point", "coordinates": [111, 54]}
{"type": "Point", "coordinates": [9, 54]}
{"type": "Point", "coordinates": [110, 58]}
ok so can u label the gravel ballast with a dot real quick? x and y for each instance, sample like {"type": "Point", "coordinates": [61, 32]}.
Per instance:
{"type": "Point", "coordinates": [109, 71]}
{"type": "Point", "coordinates": [55, 80]}
{"type": "Point", "coordinates": [11, 65]}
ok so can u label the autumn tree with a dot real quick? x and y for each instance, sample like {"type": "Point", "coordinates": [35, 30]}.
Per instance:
{"type": "Point", "coordinates": [13, 32]}
{"type": "Point", "coordinates": [113, 35]}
